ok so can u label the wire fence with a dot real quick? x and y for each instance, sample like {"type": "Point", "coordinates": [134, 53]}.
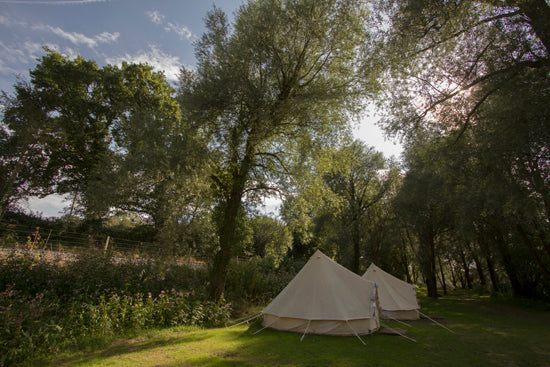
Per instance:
{"type": "Point", "coordinates": [36, 238]}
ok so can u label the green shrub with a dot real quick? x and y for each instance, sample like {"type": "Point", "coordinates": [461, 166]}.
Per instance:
{"type": "Point", "coordinates": [45, 306]}
{"type": "Point", "coordinates": [255, 281]}
{"type": "Point", "coordinates": [28, 324]}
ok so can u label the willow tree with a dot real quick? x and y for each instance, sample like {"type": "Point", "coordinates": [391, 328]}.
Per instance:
{"type": "Point", "coordinates": [281, 76]}
{"type": "Point", "coordinates": [447, 59]}
{"type": "Point", "coordinates": [477, 67]}
{"type": "Point", "coordinates": [361, 179]}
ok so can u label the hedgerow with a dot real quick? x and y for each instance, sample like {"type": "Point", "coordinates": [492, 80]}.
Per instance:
{"type": "Point", "coordinates": [47, 304]}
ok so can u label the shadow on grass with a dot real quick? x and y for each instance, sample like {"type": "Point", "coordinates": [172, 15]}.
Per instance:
{"type": "Point", "coordinates": [120, 348]}
{"type": "Point", "coordinates": [488, 333]}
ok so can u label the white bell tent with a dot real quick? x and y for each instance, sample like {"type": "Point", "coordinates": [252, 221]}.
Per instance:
{"type": "Point", "coordinates": [397, 298]}
{"type": "Point", "coordinates": [324, 298]}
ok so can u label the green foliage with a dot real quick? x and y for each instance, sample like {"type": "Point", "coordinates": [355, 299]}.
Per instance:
{"type": "Point", "coordinates": [271, 239]}
{"type": "Point", "coordinates": [47, 306]}
{"type": "Point", "coordinates": [489, 332]}
{"type": "Point", "coordinates": [362, 181]}
{"type": "Point", "coordinates": [341, 205]}
{"type": "Point", "coordinates": [284, 75]}
{"type": "Point", "coordinates": [59, 123]}
{"type": "Point", "coordinates": [467, 87]}
{"type": "Point", "coordinates": [111, 137]}
{"type": "Point", "coordinates": [445, 60]}
{"type": "Point", "coordinates": [256, 281]}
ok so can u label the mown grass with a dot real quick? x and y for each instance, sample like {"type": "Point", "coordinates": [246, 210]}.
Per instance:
{"type": "Point", "coordinates": [488, 332]}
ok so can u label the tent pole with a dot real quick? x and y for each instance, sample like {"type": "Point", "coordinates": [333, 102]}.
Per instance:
{"type": "Point", "coordinates": [437, 323]}
{"type": "Point", "coordinates": [398, 333]}
{"type": "Point", "coordinates": [401, 322]}
{"type": "Point", "coordinates": [307, 328]}
{"type": "Point", "coordinates": [356, 334]}
{"type": "Point", "coordinates": [265, 327]}
{"type": "Point", "coordinates": [247, 319]}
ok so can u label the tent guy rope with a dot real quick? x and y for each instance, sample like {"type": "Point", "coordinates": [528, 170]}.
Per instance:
{"type": "Point", "coordinates": [437, 323]}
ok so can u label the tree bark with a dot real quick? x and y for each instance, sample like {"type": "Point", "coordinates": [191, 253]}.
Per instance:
{"type": "Point", "coordinates": [428, 260]}
{"type": "Point", "coordinates": [490, 268]}
{"type": "Point", "coordinates": [443, 279]}
{"type": "Point", "coordinates": [538, 12]}
{"type": "Point", "coordinates": [453, 275]}
{"type": "Point", "coordinates": [532, 249]}
{"type": "Point", "coordinates": [228, 226]}
{"type": "Point", "coordinates": [509, 268]}
{"type": "Point", "coordinates": [356, 247]}
{"type": "Point", "coordinates": [405, 260]}
{"type": "Point", "coordinates": [466, 268]}
{"type": "Point", "coordinates": [479, 267]}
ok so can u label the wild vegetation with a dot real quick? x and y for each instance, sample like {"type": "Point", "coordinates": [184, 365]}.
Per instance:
{"type": "Point", "coordinates": [488, 331]}
{"type": "Point", "coordinates": [267, 113]}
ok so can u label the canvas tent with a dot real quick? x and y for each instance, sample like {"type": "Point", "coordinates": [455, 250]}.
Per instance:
{"type": "Point", "coordinates": [324, 298]}
{"type": "Point", "coordinates": [397, 299]}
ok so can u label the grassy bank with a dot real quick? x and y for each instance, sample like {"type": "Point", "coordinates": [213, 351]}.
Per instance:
{"type": "Point", "coordinates": [488, 332]}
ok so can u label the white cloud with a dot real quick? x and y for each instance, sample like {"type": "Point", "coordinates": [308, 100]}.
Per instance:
{"type": "Point", "coordinates": [6, 69]}
{"type": "Point", "coordinates": [10, 22]}
{"type": "Point", "coordinates": [33, 49]}
{"type": "Point", "coordinates": [107, 37]}
{"type": "Point", "coordinates": [73, 37]}
{"type": "Point", "coordinates": [155, 57]}
{"type": "Point", "coordinates": [48, 207]}
{"type": "Point", "coordinates": [16, 58]}
{"type": "Point", "coordinates": [79, 38]}
{"type": "Point", "coordinates": [181, 30]}
{"type": "Point", "coordinates": [155, 16]}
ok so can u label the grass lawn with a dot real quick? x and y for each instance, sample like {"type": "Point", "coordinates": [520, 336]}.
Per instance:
{"type": "Point", "coordinates": [488, 333]}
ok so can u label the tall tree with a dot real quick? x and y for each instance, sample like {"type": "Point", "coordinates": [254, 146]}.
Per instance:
{"type": "Point", "coordinates": [159, 156]}
{"type": "Point", "coordinates": [60, 121]}
{"type": "Point", "coordinates": [285, 74]}
{"type": "Point", "coordinates": [448, 58]}
{"type": "Point", "coordinates": [22, 154]}
{"type": "Point", "coordinates": [423, 203]}
{"type": "Point", "coordinates": [478, 71]}
{"type": "Point", "coordinates": [112, 136]}
{"type": "Point", "coordinates": [362, 179]}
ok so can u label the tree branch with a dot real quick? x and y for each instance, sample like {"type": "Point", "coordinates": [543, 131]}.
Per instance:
{"type": "Point", "coordinates": [456, 34]}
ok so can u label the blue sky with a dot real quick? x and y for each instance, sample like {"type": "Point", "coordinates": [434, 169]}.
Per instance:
{"type": "Point", "coordinates": [158, 32]}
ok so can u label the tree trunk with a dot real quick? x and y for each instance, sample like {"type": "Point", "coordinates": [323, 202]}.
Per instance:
{"type": "Point", "coordinates": [405, 261]}
{"type": "Point", "coordinates": [223, 256]}
{"type": "Point", "coordinates": [356, 247]}
{"type": "Point", "coordinates": [538, 12]}
{"type": "Point", "coordinates": [509, 267]}
{"type": "Point", "coordinates": [490, 268]}
{"type": "Point", "coordinates": [427, 260]}
{"type": "Point", "coordinates": [453, 275]}
{"type": "Point", "coordinates": [492, 274]}
{"type": "Point", "coordinates": [443, 280]}
{"type": "Point", "coordinates": [413, 272]}
{"type": "Point", "coordinates": [479, 267]}
{"type": "Point", "coordinates": [542, 234]}
{"type": "Point", "coordinates": [532, 249]}
{"type": "Point", "coordinates": [466, 269]}
{"type": "Point", "coordinates": [229, 224]}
